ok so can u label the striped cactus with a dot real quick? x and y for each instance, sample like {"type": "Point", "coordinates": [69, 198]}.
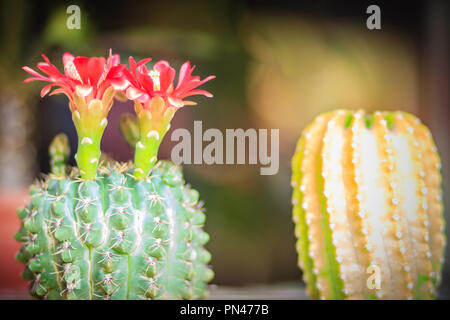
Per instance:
{"type": "Point", "coordinates": [367, 202]}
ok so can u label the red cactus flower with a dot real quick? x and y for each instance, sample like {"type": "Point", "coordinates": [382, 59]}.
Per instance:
{"type": "Point", "coordinates": [146, 84]}
{"type": "Point", "coordinates": [91, 85]}
{"type": "Point", "coordinates": [156, 100]}
{"type": "Point", "coordinates": [88, 77]}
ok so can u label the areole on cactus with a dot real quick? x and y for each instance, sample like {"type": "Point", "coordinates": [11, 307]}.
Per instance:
{"type": "Point", "coordinates": [367, 194]}
{"type": "Point", "coordinates": [114, 230]}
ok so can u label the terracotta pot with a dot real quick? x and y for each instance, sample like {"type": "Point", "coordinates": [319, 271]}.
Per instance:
{"type": "Point", "coordinates": [10, 269]}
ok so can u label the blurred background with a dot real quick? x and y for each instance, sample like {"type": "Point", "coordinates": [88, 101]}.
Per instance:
{"type": "Point", "coordinates": [278, 65]}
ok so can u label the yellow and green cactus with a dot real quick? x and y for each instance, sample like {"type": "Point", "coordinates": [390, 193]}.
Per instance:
{"type": "Point", "coordinates": [367, 201]}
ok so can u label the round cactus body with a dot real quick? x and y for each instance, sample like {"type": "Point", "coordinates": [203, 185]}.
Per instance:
{"type": "Point", "coordinates": [367, 207]}
{"type": "Point", "coordinates": [115, 237]}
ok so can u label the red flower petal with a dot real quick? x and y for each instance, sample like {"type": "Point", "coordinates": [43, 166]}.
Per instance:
{"type": "Point", "coordinates": [113, 60]}
{"type": "Point", "coordinates": [34, 79]}
{"type": "Point", "coordinates": [81, 65]}
{"type": "Point", "coordinates": [68, 93]}
{"type": "Point", "coordinates": [143, 62]}
{"type": "Point", "coordinates": [46, 89]}
{"type": "Point", "coordinates": [45, 58]}
{"type": "Point", "coordinates": [185, 73]}
{"type": "Point", "coordinates": [178, 103]}
{"type": "Point", "coordinates": [196, 92]}
{"type": "Point", "coordinates": [189, 103]}
{"type": "Point", "coordinates": [67, 58]}
{"type": "Point", "coordinates": [145, 81]}
{"type": "Point", "coordinates": [49, 69]}
{"type": "Point", "coordinates": [32, 72]}
{"type": "Point", "coordinates": [166, 74]}
{"type": "Point", "coordinates": [89, 77]}
{"type": "Point", "coordinates": [96, 67]}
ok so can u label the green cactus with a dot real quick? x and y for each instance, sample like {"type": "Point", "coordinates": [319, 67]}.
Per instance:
{"type": "Point", "coordinates": [111, 230]}
{"type": "Point", "coordinates": [114, 237]}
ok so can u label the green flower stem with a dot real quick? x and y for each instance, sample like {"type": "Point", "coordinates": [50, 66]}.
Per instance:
{"type": "Point", "coordinates": [154, 122]}
{"type": "Point", "coordinates": [88, 154]}
{"type": "Point", "coordinates": [146, 150]}
{"type": "Point", "coordinates": [145, 156]}
{"type": "Point", "coordinates": [90, 126]}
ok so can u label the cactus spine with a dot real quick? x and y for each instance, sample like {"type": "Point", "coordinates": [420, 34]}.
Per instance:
{"type": "Point", "coordinates": [367, 200]}
{"type": "Point", "coordinates": [109, 230]}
